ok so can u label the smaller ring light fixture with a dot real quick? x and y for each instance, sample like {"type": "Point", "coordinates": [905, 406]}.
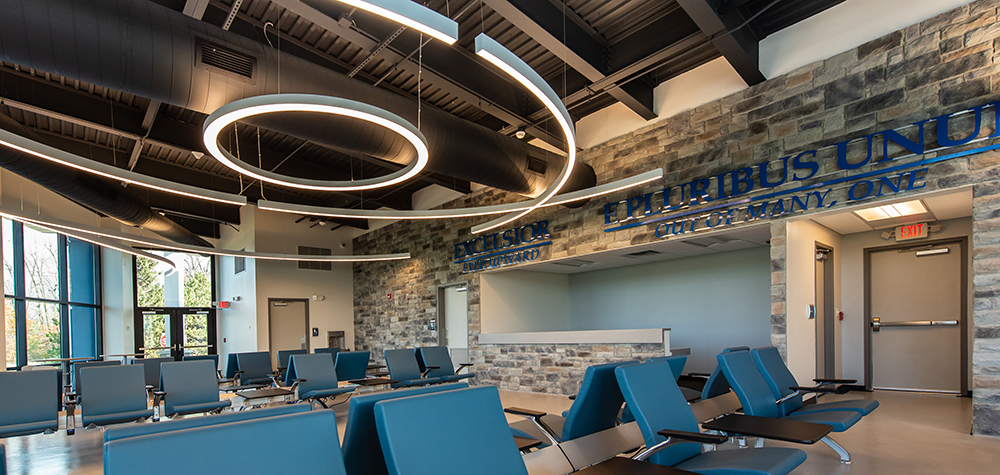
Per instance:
{"type": "Point", "coordinates": [267, 104]}
{"type": "Point", "coordinates": [413, 15]}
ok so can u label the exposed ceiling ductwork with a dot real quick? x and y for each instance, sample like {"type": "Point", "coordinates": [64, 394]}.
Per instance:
{"type": "Point", "coordinates": [97, 193]}
{"type": "Point", "coordinates": [142, 48]}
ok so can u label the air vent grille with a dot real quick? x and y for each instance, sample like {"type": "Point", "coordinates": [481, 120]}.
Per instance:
{"type": "Point", "coordinates": [642, 254]}
{"type": "Point", "coordinates": [227, 60]}
{"type": "Point", "coordinates": [315, 251]}
{"type": "Point", "coordinates": [537, 165]}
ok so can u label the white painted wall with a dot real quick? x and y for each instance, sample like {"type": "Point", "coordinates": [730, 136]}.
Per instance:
{"type": "Point", "coordinates": [800, 288]}
{"type": "Point", "coordinates": [524, 301]}
{"type": "Point", "coordinates": [118, 301]}
{"type": "Point", "coordinates": [277, 232]}
{"type": "Point", "coordinates": [237, 324]}
{"type": "Point", "coordinates": [854, 325]}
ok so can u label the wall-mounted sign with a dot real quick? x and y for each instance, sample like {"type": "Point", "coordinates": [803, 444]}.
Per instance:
{"type": "Point", "coordinates": [513, 246]}
{"type": "Point", "coordinates": [748, 193]}
{"type": "Point", "coordinates": [911, 231]}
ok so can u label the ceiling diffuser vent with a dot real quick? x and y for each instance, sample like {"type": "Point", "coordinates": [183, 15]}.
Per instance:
{"type": "Point", "coordinates": [574, 263]}
{"type": "Point", "coordinates": [227, 60]}
{"type": "Point", "coordinates": [641, 254]}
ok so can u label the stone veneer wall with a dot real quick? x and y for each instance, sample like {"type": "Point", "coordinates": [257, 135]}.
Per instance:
{"type": "Point", "coordinates": [938, 66]}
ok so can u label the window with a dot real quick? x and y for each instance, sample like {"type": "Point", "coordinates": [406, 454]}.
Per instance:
{"type": "Point", "coordinates": [52, 304]}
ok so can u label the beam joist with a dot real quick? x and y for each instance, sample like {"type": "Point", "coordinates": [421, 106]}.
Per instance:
{"type": "Point", "coordinates": [740, 47]}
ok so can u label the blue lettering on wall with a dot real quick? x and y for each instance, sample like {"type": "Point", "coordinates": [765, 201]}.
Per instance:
{"type": "Point", "coordinates": [509, 247]}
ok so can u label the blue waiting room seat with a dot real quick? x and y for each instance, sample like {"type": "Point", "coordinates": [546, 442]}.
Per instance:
{"type": "Point", "coordinates": [404, 369]}
{"type": "Point", "coordinates": [758, 400]}
{"type": "Point", "coordinates": [313, 378]}
{"type": "Point", "coordinates": [333, 351]}
{"type": "Point", "coordinates": [255, 368]}
{"type": "Point", "coordinates": [292, 443]}
{"type": "Point", "coordinates": [716, 385]}
{"type": "Point", "coordinates": [29, 402]}
{"type": "Point", "coordinates": [658, 404]}
{"type": "Point", "coordinates": [114, 394]}
{"type": "Point", "coordinates": [77, 387]}
{"type": "Point", "coordinates": [283, 356]}
{"type": "Point", "coordinates": [136, 430]}
{"type": "Point", "coordinates": [151, 371]}
{"type": "Point", "coordinates": [362, 450]}
{"type": "Point", "coordinates": [351, 364]}
{"type": "Point", "coordinates": [438, 357]}
{"type": "Point", "coordinates": [789, 393]}
{"type": "Point", "coordinates": [189, 387]}
{"type": "Point", "coordinates": [213, 358]}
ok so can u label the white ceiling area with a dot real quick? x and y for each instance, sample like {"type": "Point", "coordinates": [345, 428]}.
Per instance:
{"type": "Point", "coordinates": [940, 206]}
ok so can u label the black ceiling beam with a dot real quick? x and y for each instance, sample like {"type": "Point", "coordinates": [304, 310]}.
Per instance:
{"type": "Point", "coordinates": [740, 48]}
{"type": "Point", "coordinates": [544, 22]}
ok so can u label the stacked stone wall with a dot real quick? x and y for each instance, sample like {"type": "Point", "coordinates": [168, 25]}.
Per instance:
{"type": "Point", "coordinates": [942, 65]}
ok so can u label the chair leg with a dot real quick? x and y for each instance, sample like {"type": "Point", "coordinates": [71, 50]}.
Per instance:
{"type": "Point", "coordinates": [759, 442]}
{"type": "Point", "coordinates": [845, 457]}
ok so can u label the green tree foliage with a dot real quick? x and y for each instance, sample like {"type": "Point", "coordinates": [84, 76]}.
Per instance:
{"type": "Point", "coordinates": [149, 288]}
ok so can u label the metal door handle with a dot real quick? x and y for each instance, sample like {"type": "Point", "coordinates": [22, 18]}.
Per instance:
{"type": "Point", "coordinates": [877, 324]}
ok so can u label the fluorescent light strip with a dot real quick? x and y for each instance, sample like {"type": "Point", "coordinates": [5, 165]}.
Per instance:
{"type": "Point", "coordinates": [894, 210]}
{"type": "Point", "coordinates": [271, 103]}
{"type": "Point", "coordinates": [413, 15]}
{"type": "Point", "coordinates": [93, 240]}
{"type": "Point", "coordinates": [508, 62]}
{"type": "Point", "coordinates": [579, 195]}
{"type": "Point", "coordinates": [66, 227]}
{"type": "Point", "coordinates": [61, 157]}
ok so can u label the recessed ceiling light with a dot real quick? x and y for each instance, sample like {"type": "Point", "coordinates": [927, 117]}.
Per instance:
{"type": "Point", "coordinates": [895, 210]}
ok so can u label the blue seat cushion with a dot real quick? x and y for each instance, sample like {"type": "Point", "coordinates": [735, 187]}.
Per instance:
{"type": "Point", "coordinates": [319, 393]}
{"type": "Point", "coordinates": [193, 408]}
{"type": "Point", "coordinates": [840, 420]}
{"type": "Point", "coordinates": [135, 430]}
{"type": "Point", "coordinates": [864, 406]}
{"type": "Point", "coordinates": [28, 428]}
{"type": "Point", "coordinates": [104, 419]}
{"type": "Point", "coordinates": [769, 461]}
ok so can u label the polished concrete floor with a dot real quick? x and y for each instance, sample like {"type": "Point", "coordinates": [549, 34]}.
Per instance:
{"type": "Point", "coordinates": [909, 434]}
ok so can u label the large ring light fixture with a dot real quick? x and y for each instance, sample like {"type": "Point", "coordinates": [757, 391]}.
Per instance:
{"type": "Point", "coordinates": [411, 14]}
{"type": "Point", "coordinates": [267, 104]}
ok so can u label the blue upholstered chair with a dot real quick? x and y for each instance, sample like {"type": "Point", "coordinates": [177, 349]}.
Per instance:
{"type": "Point", "coordinates": [77, 387]}
{"type": "Point", "coordinates": [283, 356]}
{"type": "Point", "coordinates": [292, 443]}
{"type": "Point", "coordinates": [255, 368]}
{"type": "Point", "coordinates": [333, 351]}
{"type": "Point", "coordinates": [469, 422]}
{"type": "Point", "coordinates": [351, 364]}
{"type": "Point", "coordinates": [362, 451]}
{"type": "Point", "coordinates": [189, 387]}
{"type": "Point", "coordinates": [314, 378]}
{"type": "Point", "coordinates": [136, 430]}
{"type": "Point", "coordinates": [151, 370]}
{"type": "Point", "coordinates": [231, 366]}
{"type": "Point", "coordinates": [403, 368]}
{"type": "Point", "coordinates": [438, 356]}
{"type": "Point", "coordinates": [114, 394]}
{"type": "Point", "coordinates": [758, 400]}
{"type": "Point", "coordinates": [213, 358]}
{"type": "Point", "coordinates": [717, 384]}
{"type": "Point", "coordinates": [781, 381]}
{"type": "Point", "coordinates": [658, 404]}
{"type": "Point", "coordinates": [29, 402]}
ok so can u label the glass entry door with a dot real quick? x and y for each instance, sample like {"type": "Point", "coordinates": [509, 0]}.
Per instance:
{"type": "Point", "coordinates": [175, 332]}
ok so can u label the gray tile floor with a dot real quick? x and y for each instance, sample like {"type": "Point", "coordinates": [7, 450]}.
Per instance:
{"type": "Point", "coordinates": [909, 434]}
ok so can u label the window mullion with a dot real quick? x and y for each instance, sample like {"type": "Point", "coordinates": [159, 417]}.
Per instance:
{"type": "Point", "coordinates": [63, 267]}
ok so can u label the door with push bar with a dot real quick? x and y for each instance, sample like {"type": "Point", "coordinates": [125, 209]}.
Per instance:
{"type": "Point", "coordinates": [916, 309]}
{"type": "Point", "coordinates": [176, 332]}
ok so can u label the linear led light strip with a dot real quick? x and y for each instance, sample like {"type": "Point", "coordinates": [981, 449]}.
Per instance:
{"type": "Point", "coordinates": [92, 232]}
{"type": "Point", "coordinates": [413, 15]}
{"type": "Point", "coordinates": [61, 157]}
{"type": "Point", "coordinates": [266, 104]}
{"type": "Point", "coordinates": [96, 240]}
{"type": "Point", "coordinates": [588, 193]}
{"type": "Point", "coordinates": [509, 63]}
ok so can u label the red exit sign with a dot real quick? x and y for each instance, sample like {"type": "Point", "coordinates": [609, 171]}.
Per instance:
{"type": "Point", "coordinates": [911, 231]}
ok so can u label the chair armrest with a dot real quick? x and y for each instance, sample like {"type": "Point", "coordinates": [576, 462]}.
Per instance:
{"type": "Point", "coordinates": [520, 411]}
{"type": "Point", "coordinates": [819, 389]}
{"type": "Point", "coordinates": [699, 375]}
{"type": "Point", "coordinates": [699, 437]}
{"type": "Point", "coordinates": [835, 381]}
{"type": "Point", "coordinates": [157, 397]}
{"type": "Point", "coordinates": [536, 418]}
{"type": "Point", "coordinates": [572, 397]}
{"type": "Point", "coordinates": [462, 366]}
{"type": "Point", "coordinates": [427, 370]}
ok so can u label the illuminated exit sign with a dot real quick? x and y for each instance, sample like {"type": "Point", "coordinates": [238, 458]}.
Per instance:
{"type": "Point", "coordinates": [911, 231]}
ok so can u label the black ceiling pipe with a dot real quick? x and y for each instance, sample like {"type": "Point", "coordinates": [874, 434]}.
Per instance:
{"type": "Point", "coordinates": [142, 48]}
{"type": "Point", "coordinates": [100, 194]}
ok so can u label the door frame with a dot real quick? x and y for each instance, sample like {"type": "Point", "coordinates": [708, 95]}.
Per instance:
{"type": "Point", "coordinates": [270, 302]}
{"type": "Point", "coordinates": [176, 331]}
{"type": "Point", "coordinates": [442, 318]}
{"type": "Point", "coordinates": [963, 324]}
{"type": "Point", "coordinates": [829, 310]}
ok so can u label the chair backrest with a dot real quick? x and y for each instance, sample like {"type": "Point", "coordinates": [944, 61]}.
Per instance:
{"type": "Point", "coordinates": [29, 397]}
{"type": "Point", "coordinates": [57, 369]}
{"type": "Point", "coordinates": [435, 356]}
{"type": "Point", "coordinates": [188, 382]}
{"type": "Point", "coordinates": [151, 370]}
{"type": "Point", "coordinates": [747, 382]}
{"type": "Point", "coordinates": [777, 376]}
{"type": "Point", "coordinates": [351, 364]}
{"type": "Point", "coordinates": [213, 358]}
{"type": "Point", "coordinates": [135, 430]}
{"type": "Point", "coordinates": [658, 404]}
{"type": "Point", "coordinates": [299, 443]}
{"type": "Point", "coordinates": [717, 384]}
{"type": "Point", "coordinates": [317, 370]}
{"type": "Point", "coordinates": [231, 365]}
{"type": "Point", "coordinates": [470, 423]}
{"type": "Point", "coordinates": [362, 449]}
{"type": "Point", "coordinates": [113, 389]}
{"type": "Point", "coordinates": [402, 364]}
{"type": "Point", "coordinates": [597, 403]}
{"type": "Point", "coordinates": [676, 362]}
{"type": "Point", "coordinates": [255, 365]}
{"type": "Point", "coordinates": [332, 351]}
{"type": "Point", "coordinates": [283, 356]}
{"type": "Point", "coordinates": [84, 364]}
